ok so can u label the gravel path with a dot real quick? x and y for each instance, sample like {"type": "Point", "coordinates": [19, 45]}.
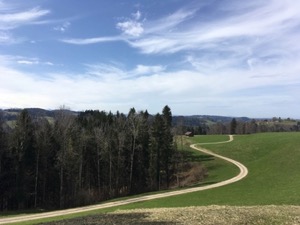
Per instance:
{"type": "Point", "coordinates": [243, 173]}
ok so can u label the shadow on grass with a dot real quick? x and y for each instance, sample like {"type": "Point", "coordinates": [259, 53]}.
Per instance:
{"type": "Point", "coordinates": [19, 212]}
{"type": "Point", "coordinates": [207, 183]}
{"type": "Point", "coordinates": [114, 218]}
{"type": "Point", "coordinates": [196, 157]}
{"type": "Point", "coordinates": [200, 184]}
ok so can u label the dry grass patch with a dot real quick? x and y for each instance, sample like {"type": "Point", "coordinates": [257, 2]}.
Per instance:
{"type": "Point", "coordinates": [192, 173]}
{"type": "Point", "coordinates": [209, 215]}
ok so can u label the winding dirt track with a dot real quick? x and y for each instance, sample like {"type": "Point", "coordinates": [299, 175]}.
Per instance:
{"type": "Point", "coordinates": [243, 173]}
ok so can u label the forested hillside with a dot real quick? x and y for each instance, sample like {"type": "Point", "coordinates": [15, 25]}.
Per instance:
{"type": "Point", "coordinates": [78, 159]}
{"type": "Point", "coordinates": [230, 125]}
{"type": "Point", "coordinates": [197, 124]}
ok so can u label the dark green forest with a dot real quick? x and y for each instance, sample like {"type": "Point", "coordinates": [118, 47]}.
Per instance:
{"type": "Point", "coordinates": [80, 159]}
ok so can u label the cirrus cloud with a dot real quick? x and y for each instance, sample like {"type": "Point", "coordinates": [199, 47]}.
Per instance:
{"type": "Point", "coordinates": [10, 20]}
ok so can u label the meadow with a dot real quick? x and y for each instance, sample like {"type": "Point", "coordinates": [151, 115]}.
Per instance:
{"type": "Point", "coordinates": [274, 173]}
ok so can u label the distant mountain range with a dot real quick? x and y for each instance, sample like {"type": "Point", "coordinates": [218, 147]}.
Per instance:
{"type": "Point", "coordinates": [11, 114]}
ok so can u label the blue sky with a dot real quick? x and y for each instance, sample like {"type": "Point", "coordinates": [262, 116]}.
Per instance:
{"type": "Point", "coordinates": [220, 57]}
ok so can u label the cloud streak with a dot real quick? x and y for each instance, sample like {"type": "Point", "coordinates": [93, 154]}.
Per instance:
{"type": "Point", "coordinates": [264, 22]}
{"type": "Point", "coordinates": [87, 41]}
{"type": "Point", "coordinates": [134, 28]}
{"type": "Point", "coordinates": [239, 36]}
{"type": "Point", "coordinates": [10, 20]}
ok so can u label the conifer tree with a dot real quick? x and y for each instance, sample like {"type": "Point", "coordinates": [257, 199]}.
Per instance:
{"type": "Point", "coordinates": [5, 167]}
{"type": "Point", "coordinates": [167, 150]}
{"type": "Point", "coordinates": [25, 160]}
{"type": "Point", "coordinates": [233, 126]}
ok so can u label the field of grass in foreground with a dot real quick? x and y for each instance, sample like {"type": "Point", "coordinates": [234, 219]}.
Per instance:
{"type": "Point", "coordinates": [274, 174]}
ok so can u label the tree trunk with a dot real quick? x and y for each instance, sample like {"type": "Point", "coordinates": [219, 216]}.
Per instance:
{"type": "Point", "coordinates": [61, 197]}
{"type": "Point", "coordinates": [80, 167]}
{"type": "Point", "coordinates": [131, 164]}
{"type": "Point", "coordinates": [36, 177]}
{"type": "Point", "coordinates": [110, 173]}
{"type": "Point", "coordinates": [98, 169]}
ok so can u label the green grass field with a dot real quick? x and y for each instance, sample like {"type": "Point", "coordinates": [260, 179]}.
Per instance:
{"type": "Point", "coordinates": [274, 173]}
{"type": "Point", "coordinates": [273, 160]}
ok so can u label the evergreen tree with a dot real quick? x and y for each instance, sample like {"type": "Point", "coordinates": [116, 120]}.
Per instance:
{"type": "Point", "coordinates": [142, 169]}
{"type": "Point", "coordinates": [63, 125]}
{"type": "Point", "coordinates": [6, 168]}
{"type": "Point", "coordinates": [47, 176]}
{"type": "Point", "coordinates": [133, 124]}
{"type": "Point", "coordinates": [23, 145]}
{"type": "Point", "coordinates": [167, 149]}
{"type": "Point", "coordinates": [156, 145]}
{"type": "Point", "coordinates": [233, 126]}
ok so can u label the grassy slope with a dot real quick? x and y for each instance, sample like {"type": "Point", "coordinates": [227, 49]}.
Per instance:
{"type": "Point", "coordinates": [274, 174]}
{"type": "Point", "coordinates": [218, 169]}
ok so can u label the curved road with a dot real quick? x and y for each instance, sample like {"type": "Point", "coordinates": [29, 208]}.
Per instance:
{"type": "Point", "coordinates": [243, 173]}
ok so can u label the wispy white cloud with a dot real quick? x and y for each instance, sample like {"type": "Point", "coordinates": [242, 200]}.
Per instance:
{"type": "Point", "coordinates": [26, 62]}
{"type": "Point", "coordinates": [63, 28]}
{"type": "Point", "coordinates": [132, 27]}
{"type": "Point", "coordinates": [105, 72]}
{"type": "Point", "coordinates": [78, 41]}
{"type": "Point", "coordinates": [137, 29]}
{"type": "Point", "coordinates": [11, 61]}
{"type": "Point", "coordinates": [142, 69]}
{"type": "Point", "coordinates": [239, 29]}
{"type": "Point", "coordinates": [110, 72]}
{"type": "Point", "coordinates": [169, 23]}
{"type": "Point", "coordinates": [34, 62]}
{"type": "Point", "coordinates": [266, 22]}
{"type": "Point", "coordinates": [11, 20]}
{"type": "Point", "coordinates": [7, 38]}
{"type": "Point", "coordinates": [137, 15]}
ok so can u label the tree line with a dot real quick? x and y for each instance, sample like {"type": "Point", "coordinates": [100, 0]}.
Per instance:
{"type": "Point", "coordinates": [236, 126]}
{"type": "Point", "coordinates": [80, 159]}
